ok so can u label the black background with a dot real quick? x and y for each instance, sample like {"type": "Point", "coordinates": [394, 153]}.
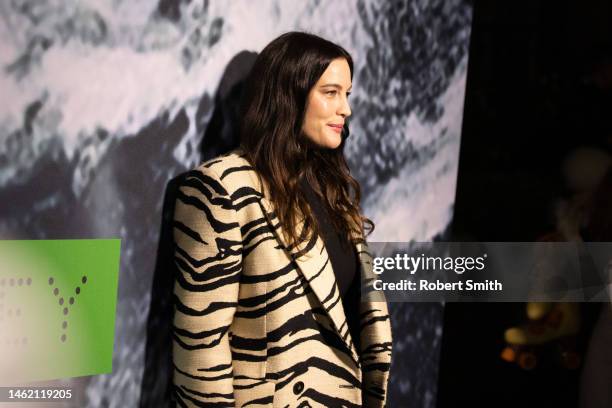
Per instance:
{"type": "Point", "coordinates": [531, 98]}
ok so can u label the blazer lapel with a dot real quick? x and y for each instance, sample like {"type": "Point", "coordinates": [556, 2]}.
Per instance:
{"type": "Point", "coordinates": [313, 262]}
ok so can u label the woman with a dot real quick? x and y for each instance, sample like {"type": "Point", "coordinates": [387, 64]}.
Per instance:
{"type": "Point", "coordinates": [270, 251]}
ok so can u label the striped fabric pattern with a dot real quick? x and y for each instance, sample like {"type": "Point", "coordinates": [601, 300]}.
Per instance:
{"type": "Point", "coordinates": [259, 323]}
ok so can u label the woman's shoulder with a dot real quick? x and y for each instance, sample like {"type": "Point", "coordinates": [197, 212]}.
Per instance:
{"type": "Point", "coordinates": [220, 164]}
{"type": "Point", "coordinates": [232, 170]}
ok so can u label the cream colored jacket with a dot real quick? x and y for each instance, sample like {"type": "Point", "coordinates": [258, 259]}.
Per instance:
{"type": "Point", "coordinates": [259, 324]}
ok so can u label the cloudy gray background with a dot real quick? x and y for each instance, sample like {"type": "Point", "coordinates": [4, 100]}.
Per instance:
{"type": "Point", "coordinates": [103, 102]}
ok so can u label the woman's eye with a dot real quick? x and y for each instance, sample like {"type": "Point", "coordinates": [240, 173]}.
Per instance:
{"type": "Point", "coordinates": [331, 93]}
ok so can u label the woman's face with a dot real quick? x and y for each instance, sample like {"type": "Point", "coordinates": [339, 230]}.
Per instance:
{"type": "Point", "coordinates": [327, 106]}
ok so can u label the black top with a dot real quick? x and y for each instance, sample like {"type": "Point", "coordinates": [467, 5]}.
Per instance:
{"type": "Point", "coordinates": [343, 258]}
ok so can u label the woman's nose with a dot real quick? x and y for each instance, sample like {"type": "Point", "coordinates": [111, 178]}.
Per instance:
{"type": "Point", "coordinates": [344, 109]}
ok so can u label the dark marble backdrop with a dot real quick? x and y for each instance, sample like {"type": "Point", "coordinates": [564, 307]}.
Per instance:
{"type": "Point", "coordinates": [104, 102]}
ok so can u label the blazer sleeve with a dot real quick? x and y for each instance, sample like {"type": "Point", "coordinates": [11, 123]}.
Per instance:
{"type": "Point", "coordinates": [208, 257]}
{"type": "Point", "coordinates": [377, 359]}
{"type": "Point", "coordinates": [376, 339]}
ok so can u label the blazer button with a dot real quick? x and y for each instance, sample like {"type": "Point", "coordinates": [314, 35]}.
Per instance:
{"type": "Point", "coordinates": [298, 387]}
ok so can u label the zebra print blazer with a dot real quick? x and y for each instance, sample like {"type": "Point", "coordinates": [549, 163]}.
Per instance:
{"type": "Point", "coordinates": [257, 323]}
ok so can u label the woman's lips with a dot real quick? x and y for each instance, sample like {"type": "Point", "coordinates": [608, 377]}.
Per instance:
{"type": "Point", "coordinates": [336, 128]}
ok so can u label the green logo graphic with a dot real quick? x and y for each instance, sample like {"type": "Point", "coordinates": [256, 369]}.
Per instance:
{"type": "Point", "coordinates": [57, 308]}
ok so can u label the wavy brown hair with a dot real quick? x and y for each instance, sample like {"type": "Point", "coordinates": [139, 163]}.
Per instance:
{"type": "Point", "coordinates": [272, 113]}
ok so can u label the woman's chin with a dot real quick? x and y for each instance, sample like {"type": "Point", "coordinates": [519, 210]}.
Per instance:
{"type": "Point", "coordinates": [326, 141]}
{"type": "Point", "coordinates": [333, 142]}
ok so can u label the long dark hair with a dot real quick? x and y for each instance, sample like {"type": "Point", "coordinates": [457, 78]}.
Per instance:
{"type": "Point", "coordinates": [272, 114]}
